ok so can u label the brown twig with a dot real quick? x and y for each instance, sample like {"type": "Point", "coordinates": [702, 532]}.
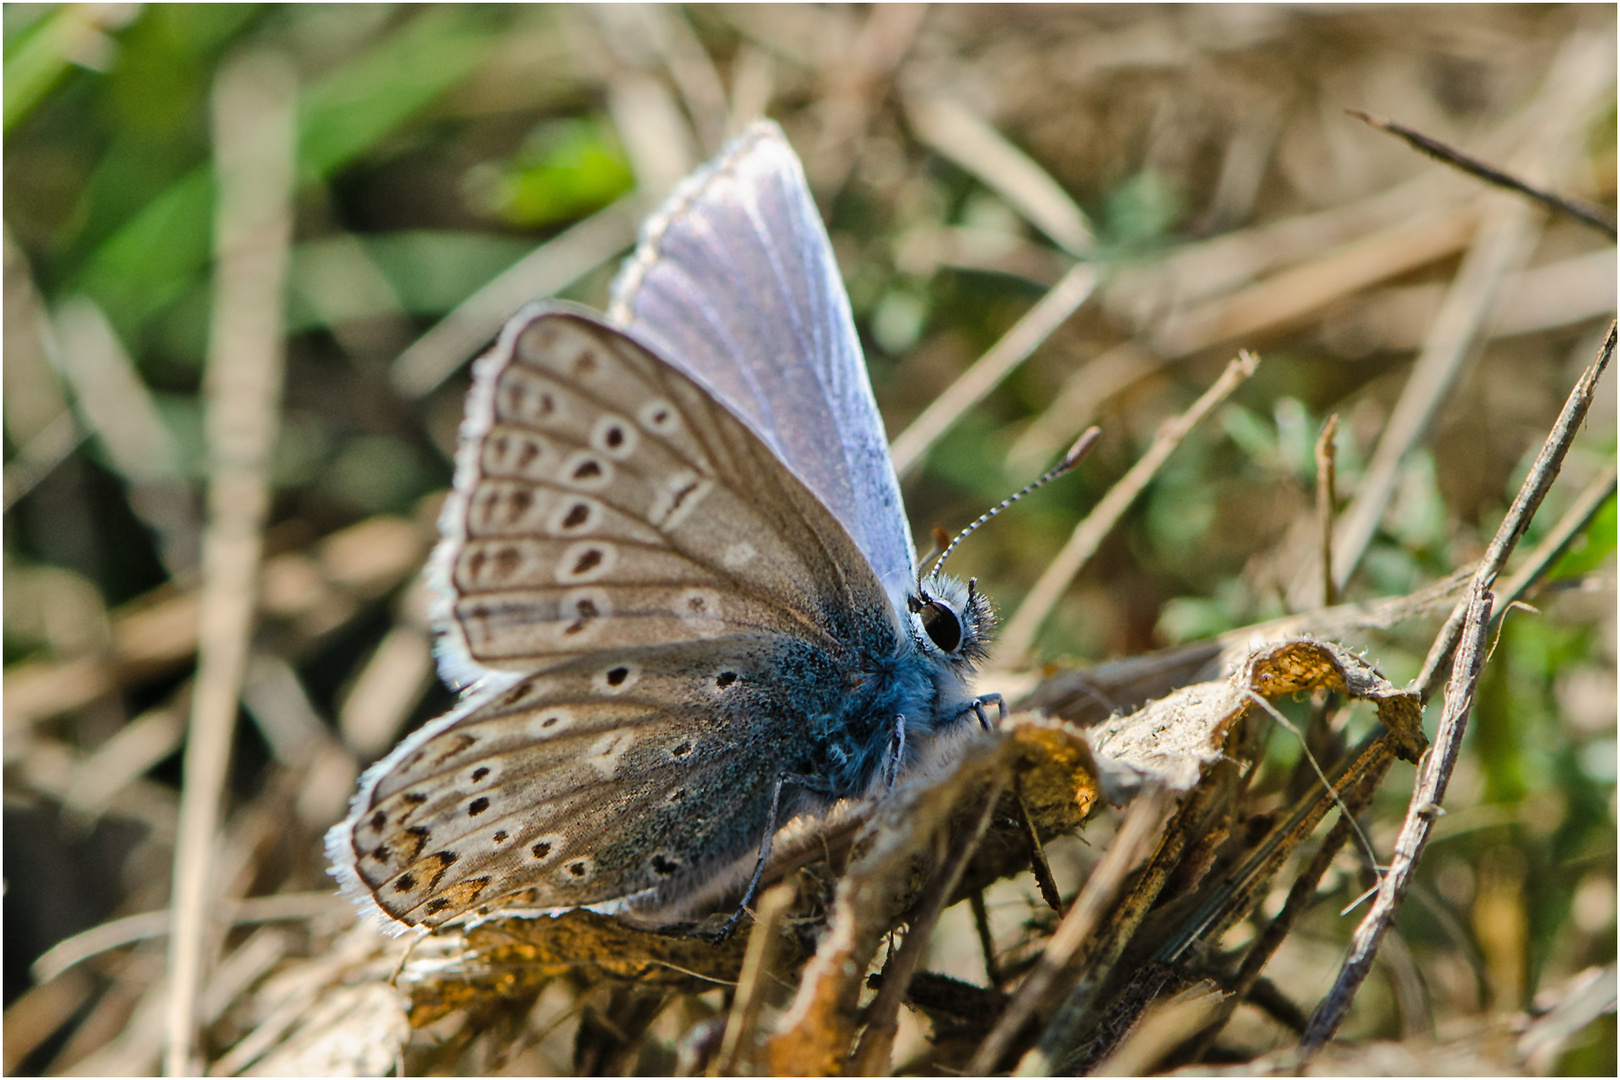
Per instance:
{"type": "Point", "coordinates": [1423, 810]}
{"type": "Point", "coordinates": [987, 942]}
{"type": "Point", "coordinates": [871, 1056]}
{"type": "Point", "coordinates": [1579, 209]}
{"type": "Point", "coordinates": [1525, 504]}
{"type": "Point", "coordinates": [1466, 640]}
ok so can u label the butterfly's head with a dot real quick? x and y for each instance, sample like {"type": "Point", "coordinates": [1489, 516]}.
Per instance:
{"type": "Point", "coordinates": [951, 620]}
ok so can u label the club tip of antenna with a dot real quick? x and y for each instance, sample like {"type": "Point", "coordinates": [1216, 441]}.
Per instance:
{"type": "Point", "coordinates": [1082, 446]}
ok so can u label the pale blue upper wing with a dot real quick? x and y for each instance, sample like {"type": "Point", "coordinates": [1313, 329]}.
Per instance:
{"type": "Point", "coordinates": [735, 283]}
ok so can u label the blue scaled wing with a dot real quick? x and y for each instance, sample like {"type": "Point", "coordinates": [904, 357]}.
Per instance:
{"type": "Point", "coordinates": [735, 283]}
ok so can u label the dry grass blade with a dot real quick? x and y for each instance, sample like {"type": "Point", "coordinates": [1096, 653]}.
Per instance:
{"type": "Point", "coordinates": [1293, 295]}
{"type": "Point", "coordinates": [1018, 640]}
{"type": "Point", "coordinates": [117, 406]}
{"type": "Point", "coordinates": [1326, 458]}
{"type": "Point", "coordinates": [1163, 1028]}
{"type": "Point", "coordinates": [550, 267]}
{"type": "Point", "coordinates": [150, 924]}
{"type": "Point", "coordinates": [1355, 796]}
{"type": "Point", "coordinates": [154, 634]}
{"type": "Point", "coordinates": [1505, 240]}
{"type": "Point", "coordinates": [978, 148]}
{"type": "Point", "coordinates": [254, 135]}
{"type": "Point", "coordinates": [740, 1042]}
{"type": "Point", "coordinates": [912, 445]}
{"type": "Point", "coordinates": [38, 420]}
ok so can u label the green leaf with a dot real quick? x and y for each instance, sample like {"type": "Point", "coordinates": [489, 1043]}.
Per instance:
{"type": "Point", "coordinates": [156, 256]}
{"type": "Point", "coordinates": [1588, 551]}
{"type": "Point", "coordinates": [567, 169]}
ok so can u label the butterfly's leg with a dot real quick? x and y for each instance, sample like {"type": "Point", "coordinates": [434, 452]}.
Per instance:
{"type": "Point", "coordinates": [759, 866]}
{"type": "Point", "coordinates": [977, 708]}
{"type": "Point", "coordinates": [810, 782]}
{"type": "Point", "coordinates": [897, 752]}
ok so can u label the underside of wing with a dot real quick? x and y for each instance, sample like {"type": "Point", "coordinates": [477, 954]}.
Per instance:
{"type": "Point", "coordinates": [603, 500]}
{"type": "Point", "coordinates": [623, 775]}
{"type": "Point", "coordinates": [735, 282]}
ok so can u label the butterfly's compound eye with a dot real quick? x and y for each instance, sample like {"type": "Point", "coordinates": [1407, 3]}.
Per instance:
{"type": "Point", "coordinates": [941, 625]}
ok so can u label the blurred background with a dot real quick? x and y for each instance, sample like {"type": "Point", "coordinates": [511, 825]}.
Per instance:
{"type": "Point", "coordinates": [453, 161]}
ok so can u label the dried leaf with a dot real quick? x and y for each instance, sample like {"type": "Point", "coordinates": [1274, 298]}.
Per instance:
{"type": "Point", "coordinates": [1171, 740]}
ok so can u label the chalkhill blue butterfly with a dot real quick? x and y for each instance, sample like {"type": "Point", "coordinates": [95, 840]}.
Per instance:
{"type": "Point", "coordinates": [675, 578]}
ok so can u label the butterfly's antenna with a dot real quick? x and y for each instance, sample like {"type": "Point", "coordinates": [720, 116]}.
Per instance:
{"type": "Point", "coordinates": [1082, 446]}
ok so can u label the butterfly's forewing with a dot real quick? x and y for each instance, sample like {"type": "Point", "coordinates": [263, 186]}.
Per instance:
{"type": "Point", "coordinates": [605, 501]}
{"type": "Point", "coordinates": [735, 282]}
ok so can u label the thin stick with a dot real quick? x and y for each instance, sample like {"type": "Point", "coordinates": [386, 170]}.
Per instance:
{"type": "Point", "coordinates": [1421, 814]}
{"type": "Point", "coordinates": [882, 1016]}
{"type": "Point", "coordinates": [1326, 460]}
{"type": "Point", "coordinates": [1019, 638]}
{"type": "Point", "coordinates": [1467, 641]}
{"type": "Point", "coordinates": [986, 373]}
{"type": "Point", "coordinates": [1579, 209]}
{"type": "Point", "coordinates": [1142, 826]}
{"type": "Point", "coordinates": [987, 943]}
{"type": "Point", "coordinates": [1575, 519]}
{"type": "Point", "coordinates": [736, 1046]}
{"type": "Point", "coordinates": [1525, 504]}
{"type": "Point", "coordinates": [1037, 857]}
{"type": "Point", "coordinates": [255, 100]}
{"type": "Point", "coordinates": [1300, 896]}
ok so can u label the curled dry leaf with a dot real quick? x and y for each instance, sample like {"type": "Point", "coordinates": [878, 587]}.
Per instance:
{"type": "Point", "coordinates": [1171, 740]}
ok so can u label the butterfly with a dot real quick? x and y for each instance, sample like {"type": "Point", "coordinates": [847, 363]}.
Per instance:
{"type": "Point", "coordinates": [676, 582]}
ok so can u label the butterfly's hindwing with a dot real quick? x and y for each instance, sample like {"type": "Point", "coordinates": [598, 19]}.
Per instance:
{"type": "Point", "coordinates": [600, 780]}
